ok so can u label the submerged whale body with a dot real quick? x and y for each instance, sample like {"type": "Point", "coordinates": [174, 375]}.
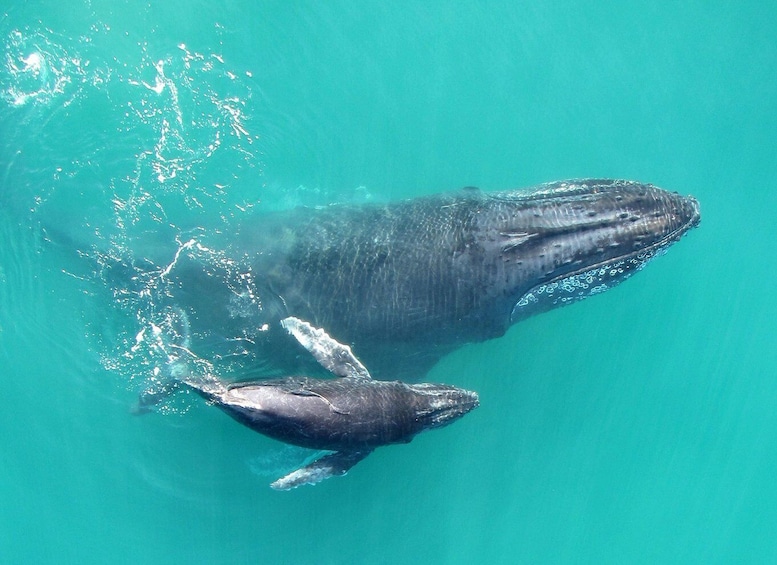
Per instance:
{"type": "Point", "coordinates": [350, 415]}
{"type": "Point", "coordinates": [407, 282]}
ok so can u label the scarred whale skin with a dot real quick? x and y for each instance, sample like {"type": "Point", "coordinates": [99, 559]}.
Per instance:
{"type": "Point", "coordinates": [407, 282]}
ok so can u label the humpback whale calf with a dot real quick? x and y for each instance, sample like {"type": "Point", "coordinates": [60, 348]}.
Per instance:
{"type": "Point", "coordinates": [407, 282]}
{"type": "Point", "coordinates": [350, 415]}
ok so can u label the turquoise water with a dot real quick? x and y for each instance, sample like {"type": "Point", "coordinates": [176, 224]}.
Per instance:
{"type": "Point", "coordinates": [638, 426]}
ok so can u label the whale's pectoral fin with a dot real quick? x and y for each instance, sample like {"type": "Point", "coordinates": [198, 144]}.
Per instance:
{"type": "Point", "coordinates": [332, 465]}
{"type": "Point", "coordinates": [332, 355]}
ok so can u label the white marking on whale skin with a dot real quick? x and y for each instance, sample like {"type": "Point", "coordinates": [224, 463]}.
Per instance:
{"type": "Point", "coordinates": [237, 397]}
{"type": "Point", "coordinates": [515, 239]}
{"type": "Point", "coordinates": [303, 476]}
{"type": "Point", "coordinates": [334, 464]}
{"type": "Point", "coordinates": [281, 460]}
{"type": "Point", "coordinates": [588, 283]}
{"type": "Point", "coordinates": [332, 355]}
{"type": "Point", "coordinates": [438, 403]}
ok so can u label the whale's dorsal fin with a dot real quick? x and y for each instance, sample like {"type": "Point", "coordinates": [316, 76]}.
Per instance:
{"type": "Point", "coordinates": [332, 355]}
{"type": "Point", "coordinates": [331, 465]}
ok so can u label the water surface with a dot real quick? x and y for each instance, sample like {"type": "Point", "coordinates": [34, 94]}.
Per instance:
{"type": "Point", "coordinates": [638, 426]}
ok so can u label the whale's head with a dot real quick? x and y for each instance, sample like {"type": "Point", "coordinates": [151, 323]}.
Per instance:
{"type": "Point", "coordinates": [565, 241]}
{"type": "Point", "coordinates": [438, 405]}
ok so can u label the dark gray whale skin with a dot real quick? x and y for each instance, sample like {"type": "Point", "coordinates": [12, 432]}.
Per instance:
{"type": "Point", "coordinates": [407, 282]}
{"type": "Point", "coordinates": [344, 414]}
{"type": "Point", "coordinates": [350, 415]}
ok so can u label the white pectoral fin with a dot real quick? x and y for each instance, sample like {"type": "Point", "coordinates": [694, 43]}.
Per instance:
{"type": "Point", "coordinates": [332, 465]}
{"type": "Point", "coordinates": [331, 354]}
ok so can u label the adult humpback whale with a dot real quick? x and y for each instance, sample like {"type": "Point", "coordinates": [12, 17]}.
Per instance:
{"type": "Point", "coordinates": [407, 282]}
{"type": "Point", "coordinates": [350, 415]}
